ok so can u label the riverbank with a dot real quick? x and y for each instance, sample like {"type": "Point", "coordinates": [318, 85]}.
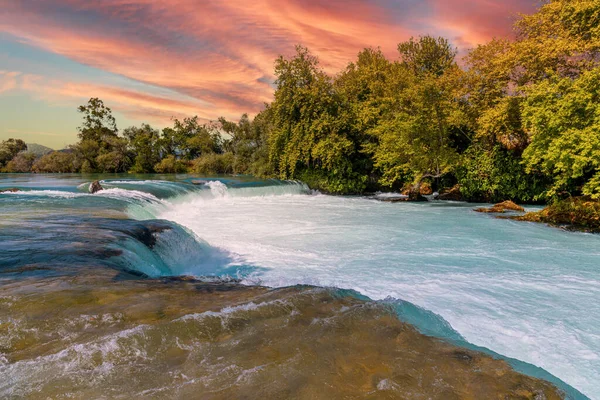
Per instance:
{"type": "Point", "coordinates": [576, 214]}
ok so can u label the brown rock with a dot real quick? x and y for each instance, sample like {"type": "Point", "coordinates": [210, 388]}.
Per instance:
{"type": "Point", "coordinates": [10, 190]}
{"type": "Point", "coordinates": [425, 189]}
{"type": "Point", "coordinates": [452, 194]}
{"type": "Point", "coordinates": [509, 205]}
{"type": "Point", "coordinates": [501, 208]}
{"type": "Point", "coordinates": [95, 187]}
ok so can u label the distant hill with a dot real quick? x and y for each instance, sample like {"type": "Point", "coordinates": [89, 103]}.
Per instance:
{"type": "Point", "coordinates": [38, 149]}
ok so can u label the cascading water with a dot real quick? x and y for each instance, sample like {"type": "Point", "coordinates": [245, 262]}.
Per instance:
{"type": "Point", "coordinates": [524, 291]}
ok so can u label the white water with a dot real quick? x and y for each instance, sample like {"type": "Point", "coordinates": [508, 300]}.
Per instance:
{"type": "Point", "coordinates": [525, 291]}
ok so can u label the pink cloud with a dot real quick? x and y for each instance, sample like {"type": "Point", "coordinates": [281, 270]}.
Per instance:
{"type": "Point", "coordinates": [218, 55]}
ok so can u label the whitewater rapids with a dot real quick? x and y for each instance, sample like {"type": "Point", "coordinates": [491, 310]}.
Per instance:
{"type": "Point", "coordinates": [526, 291]}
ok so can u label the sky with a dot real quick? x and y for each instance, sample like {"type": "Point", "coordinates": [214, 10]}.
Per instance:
{"type": "Point", "coordinates": [153, 60]}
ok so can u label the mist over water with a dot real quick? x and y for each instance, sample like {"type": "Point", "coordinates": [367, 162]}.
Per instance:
{"type": "Point", "coordinates": [525, 291]}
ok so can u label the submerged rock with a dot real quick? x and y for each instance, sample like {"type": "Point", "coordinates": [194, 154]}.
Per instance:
{"type": "Point", "coordinates": [95, 187]}
{"type": "Point", "coordinates": [500, 208]}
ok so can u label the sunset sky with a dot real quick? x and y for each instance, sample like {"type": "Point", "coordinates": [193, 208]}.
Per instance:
{"type": "Point", "coordinates": [152, 60]}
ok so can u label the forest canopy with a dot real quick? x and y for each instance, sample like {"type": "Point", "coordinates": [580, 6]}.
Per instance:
{"type": "Point", "coordinates": [515, 119]}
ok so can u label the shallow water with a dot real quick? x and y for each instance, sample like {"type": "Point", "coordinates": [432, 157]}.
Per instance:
{"type": "Point", "coordinates": [525, 291]}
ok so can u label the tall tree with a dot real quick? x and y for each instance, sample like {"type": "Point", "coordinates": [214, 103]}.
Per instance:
{"type": "Point", "coordinates": [98, 122]}
{"type": "Point", "coordinates": [144, 145]}
{"type": "Point", "coordinates": [415, 138]}
{"type": "Point", "coordinates": [311, 137]}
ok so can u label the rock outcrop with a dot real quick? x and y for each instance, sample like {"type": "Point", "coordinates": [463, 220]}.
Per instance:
{"type": "Point", "coordinates": [573, 214]}
{"type": "Point", "coordinates": [10, 190]}
{"type": "Point", "coordinates": [501, 208]}
{"type": "Point", "coordinates": [95, 187]}
{"type": "Point", "coordinates": [452, 194]}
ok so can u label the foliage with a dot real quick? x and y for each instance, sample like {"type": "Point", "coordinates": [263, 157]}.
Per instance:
{"type": "Point", "coordinates": [211, 164]}
{"type": "Point", "coordinates": [144, 145]}
{"type": "Point", "coordinates": [189, 139]}
{"type": "Point", "coordinates": [98, 122]}
{"type": "Point", "coordinates": [496, 175]}
{"type": "Point", "coordinates": [563, 119]}
{"type": "Point", "coordinates": [415, 137]}
{"type": "Point", "coordinates": [22, 162]}
{"type": "Point", "coordinates": [57, 161]}
{"type": "Point", "coordinates": [170, 165]}
{"type": "Point", "coordinates": [9, 149]}
{"type": "Point", "coordinates": [575, 213]}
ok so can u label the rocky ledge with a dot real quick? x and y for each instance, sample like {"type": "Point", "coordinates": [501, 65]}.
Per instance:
{"type": "Point", "coordinates": [576, 214]}
{"type": "Point", "coordinates": [187, 339]}
{"type": "Point", "coordinates": [501, 208]}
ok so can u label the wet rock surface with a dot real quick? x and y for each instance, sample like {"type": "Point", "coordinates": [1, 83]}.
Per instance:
{"type": "Point", "coordinates": [93, 336]}
{"type": "Point", "coordinates": [573, 214]}
{"type": "Point", "coordinates": [95, 187]}
{"type": "Point", "coordinates": [452, 194]}
{"type": "Point", "coordinates": [501, 208]}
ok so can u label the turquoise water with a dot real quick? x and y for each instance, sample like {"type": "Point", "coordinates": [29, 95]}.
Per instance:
{"type": "Point", "coordinates": [524, 291]}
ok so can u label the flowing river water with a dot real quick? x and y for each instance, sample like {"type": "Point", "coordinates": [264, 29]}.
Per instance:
{"type": "Point", "coordinates": [80, 310]}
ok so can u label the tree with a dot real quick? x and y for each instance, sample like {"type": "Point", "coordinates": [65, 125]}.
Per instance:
{"type": "Point", "coordinates": [9, 149]}
{"type": "Point", "coordinates": [117, 158]}
{"type": "Point", "coordinates": [22, 162]}
{"type": "Point", "coordinates": [189, 139]}
{"type": "Point", "coordinates": [427, 55]}
{"type": "Point", "coordinates": [57, 161]}
{"type": "Point", "coordinates": [311, 137]}
{"type": "Point", "coordinates": [144, 145]}
{"type": "Point", "coordinates": [170, 165]}
{"type": "Point", "coordinates": [98, 122]}
{"type": "Point", "coordinates": [415, 138]}
{"type": "Point", "coordinates": [562, 117]}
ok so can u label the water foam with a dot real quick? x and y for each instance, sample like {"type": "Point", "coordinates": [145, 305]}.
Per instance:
{"type": "Point", "coordinates": [525, 291]}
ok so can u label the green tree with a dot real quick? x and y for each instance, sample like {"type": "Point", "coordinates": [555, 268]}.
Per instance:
{"type": "Point", "coordinates": [22, 162]}
{"type": "Point", "coordinates": [415, 138]}
{"type": "Point", "coordinates": [116, 158]}
{"type": "Point", "coordinates": [144, 144]}
{"type": "Point", "coordinates": [98, 122]}
{"type": "Point", "coordinates": [311, 139]}
{"type": "Point", "coordinates": [427, 55]}
{"type": "Point", "coordinates": [562, 117]}
{"type": "Point", "coordinates": [170, 165]}
{"type": "Point", "coordinates": [188, 139]}
{"type": "Point", "coordinates": [57, 161]}
{"type": "Point", "coordinates": [9, 149]}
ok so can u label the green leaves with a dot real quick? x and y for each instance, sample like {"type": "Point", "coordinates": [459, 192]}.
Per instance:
{"type": "Point", "coordinates": [562, 117]}
{"type": "Point", "coordinates": [312, 127]}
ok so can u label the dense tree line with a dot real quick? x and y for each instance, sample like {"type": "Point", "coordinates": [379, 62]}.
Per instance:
{"type": "Point", "coordinates": [518, 119]}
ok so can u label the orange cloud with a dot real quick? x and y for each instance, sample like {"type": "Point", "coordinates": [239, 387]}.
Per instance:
{"type": "Point", "coordinates": [217, 56]}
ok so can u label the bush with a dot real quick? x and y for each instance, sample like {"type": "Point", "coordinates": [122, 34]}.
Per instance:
{"type": "Point", "coordinates": [56, 161]}
{"type": "Point", "coordinates": [170, 165]}
{"type": "Point", "coordinates": [22, 162]}
{"type": "Point", "coordinates": [212, 163]}
{"type": "Point", "coordinates": [497, 175]}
